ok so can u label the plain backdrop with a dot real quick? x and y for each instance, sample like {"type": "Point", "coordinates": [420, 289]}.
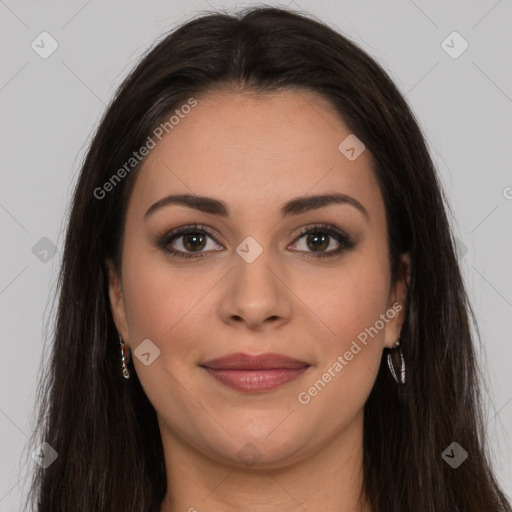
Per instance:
{"type": "Point", "coordinates": [50, 106]}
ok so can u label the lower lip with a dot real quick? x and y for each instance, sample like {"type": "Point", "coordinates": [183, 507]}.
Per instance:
{"type": "Point", "coordinates": [253, 381]}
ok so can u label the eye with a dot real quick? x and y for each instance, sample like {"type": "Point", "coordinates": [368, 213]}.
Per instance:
{"type": "Point", "coordinates": [189, 240]}
{"type": "Point", "coordinates": [318, 239]}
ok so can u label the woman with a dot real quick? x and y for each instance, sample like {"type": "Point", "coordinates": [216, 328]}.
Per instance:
{"type": "Point", "coordinates": [260, 305]}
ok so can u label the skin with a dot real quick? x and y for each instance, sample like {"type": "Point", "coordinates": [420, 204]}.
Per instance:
{"type": "Point", "coordinates": [255, 153]}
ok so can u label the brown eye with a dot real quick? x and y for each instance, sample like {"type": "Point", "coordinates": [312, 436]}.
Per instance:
{"type": "Point", "coordinates": [317, 241]}
{"type": "Point", "coordinates": [194, 241]}
{"type": "Point", "coordinates": [319, 238]}
{"type": "Point", "coordinates": [184, 242]}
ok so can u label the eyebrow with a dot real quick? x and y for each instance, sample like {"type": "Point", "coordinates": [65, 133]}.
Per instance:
{"type": "Point", "coordinates": [295, 206]}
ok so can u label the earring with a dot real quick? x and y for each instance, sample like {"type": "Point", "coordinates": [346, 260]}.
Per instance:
{"type": "Point", "coordinates": [397, 350]}
{"type": "Point", "coordinates": [125, 357]}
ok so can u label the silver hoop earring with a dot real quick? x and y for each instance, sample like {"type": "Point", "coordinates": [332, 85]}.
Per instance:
{"type": "Point", "coordinates": [125, 357]}
{"type": "Point", "coordinates": [397, 350]}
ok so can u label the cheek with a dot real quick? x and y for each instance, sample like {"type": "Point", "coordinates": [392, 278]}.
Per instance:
{"type": "Point", "coordinates": [164, 306]}
{"type": "Point", "coordinates": [150, 292]}
{"type": "Point", "coordinates": [348, 361]}
{"type": "Point", "coordinates": [352, 298]}
{"type": "Point", "coordinates": [350, 303]}
{"type": "Point", "coordinates": [165, 303]}
{"type": "Point", "coordinates": [151, 299]}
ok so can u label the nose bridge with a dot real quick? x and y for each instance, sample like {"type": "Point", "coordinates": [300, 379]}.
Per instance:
{"type": "Point", "coordinates": [255, 287]}
{"type": "Point", "coordinates": [252, 274]}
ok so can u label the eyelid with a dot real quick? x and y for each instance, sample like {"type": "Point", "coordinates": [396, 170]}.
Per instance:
{"type": "Point", "coordinates": [345, 241]}
{"type": "Point", "coordinates": [166, 233]}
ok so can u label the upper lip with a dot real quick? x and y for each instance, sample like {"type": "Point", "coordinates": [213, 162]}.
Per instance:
{"type": "Point", "coordinates": [240, 361]}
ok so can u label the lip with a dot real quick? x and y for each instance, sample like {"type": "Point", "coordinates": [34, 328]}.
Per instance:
{"type": "Point", "coordinates": [241, 361]}
{"type": "Point", "coordinates": [255, 373]}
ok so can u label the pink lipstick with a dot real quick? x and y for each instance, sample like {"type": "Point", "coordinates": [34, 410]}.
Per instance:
{"type": "Point", "coordinates": [255, 373]}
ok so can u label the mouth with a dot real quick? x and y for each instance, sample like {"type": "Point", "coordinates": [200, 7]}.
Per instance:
{"type": "Point", "coordinates": [255, 373]}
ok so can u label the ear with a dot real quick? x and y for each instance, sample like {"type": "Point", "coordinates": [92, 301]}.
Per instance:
{"type": "Point", "coordinates": [398, 300]}
{"type": "Point", "coordinates": [117, 305]}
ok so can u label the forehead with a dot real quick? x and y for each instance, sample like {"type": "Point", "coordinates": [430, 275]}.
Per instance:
{"type": "Point", "coordinates": [256, 151]}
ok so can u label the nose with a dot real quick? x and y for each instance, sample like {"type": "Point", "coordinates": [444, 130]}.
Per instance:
{"type": "Point", "coordinates": [256, 294]}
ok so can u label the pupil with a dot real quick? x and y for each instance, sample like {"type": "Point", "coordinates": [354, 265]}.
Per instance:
{"type": "Point", "coordinates": [316, 238]}
{"type": "Point", "coordinates": [189, 244]}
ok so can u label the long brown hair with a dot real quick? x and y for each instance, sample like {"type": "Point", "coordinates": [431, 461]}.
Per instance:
{"type": "Point", "coordinates": [104, 429]}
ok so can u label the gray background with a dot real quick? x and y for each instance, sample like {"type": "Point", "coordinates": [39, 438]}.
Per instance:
{"type": "Point", "coordinates": [49, 108]}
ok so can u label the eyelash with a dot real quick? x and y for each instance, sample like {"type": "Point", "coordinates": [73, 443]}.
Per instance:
{"type": "Point", "coordinates": [340, 236]}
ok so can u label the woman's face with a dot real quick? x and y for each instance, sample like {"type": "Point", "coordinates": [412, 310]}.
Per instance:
{"type": "Point", "coordinates": [254, 283]}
